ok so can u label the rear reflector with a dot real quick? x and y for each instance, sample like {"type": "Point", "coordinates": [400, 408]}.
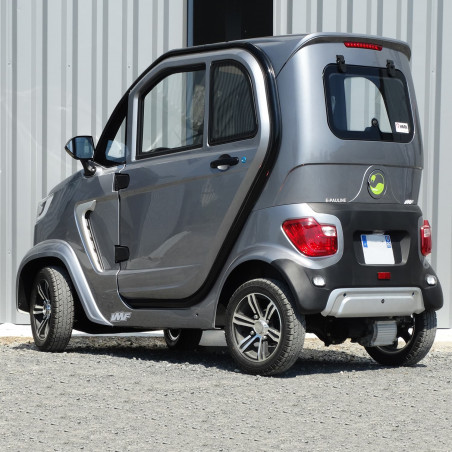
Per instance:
{"type": "Point", "coordinates": [384, 275]}
{"type": "Point", "coordinates": [311, 238]}
{"type": "Point", "coordinates": [363, 45]}
{"type": "Point", "coordinates": [426, 238]}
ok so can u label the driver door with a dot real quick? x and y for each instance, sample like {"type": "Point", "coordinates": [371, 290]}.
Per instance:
{"type": "Point", "coordinates": [197, 148]}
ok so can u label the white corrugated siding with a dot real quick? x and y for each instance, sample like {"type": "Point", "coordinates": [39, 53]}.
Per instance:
{"type": "Point", "coordinates": [425, 25]}
{"type": "Point", "coordinates": [65, 63]}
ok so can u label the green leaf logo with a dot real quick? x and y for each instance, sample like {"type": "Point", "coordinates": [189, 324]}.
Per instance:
{"type": "Point", "coordinates": [376, 184]}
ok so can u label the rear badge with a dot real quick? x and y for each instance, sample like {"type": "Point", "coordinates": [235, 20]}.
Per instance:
{"type": "Point", "coordinates": [335, 199]}
{"type": "Point", "coordinates": [402, 127]}
{"type": "Point", "coordinates": [376, 184]}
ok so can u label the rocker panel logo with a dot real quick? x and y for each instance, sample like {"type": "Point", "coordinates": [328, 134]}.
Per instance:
{"type": "Point", "coordinates": [120, 316]}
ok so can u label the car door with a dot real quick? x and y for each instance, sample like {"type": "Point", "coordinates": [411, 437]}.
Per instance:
{"type": "Point", "coordinates": [199, 137]}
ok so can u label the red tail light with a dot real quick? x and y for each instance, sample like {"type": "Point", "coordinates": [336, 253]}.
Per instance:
{"type": "Point", "coordinates": [363, 45]}
{"type": "Point", "coordinates": [311, 238]}
{"type": "Point", "coordinates": [426, 238]}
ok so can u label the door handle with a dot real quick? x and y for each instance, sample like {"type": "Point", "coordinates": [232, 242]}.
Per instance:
{"type": "Point", "coordinates": [224, 162]}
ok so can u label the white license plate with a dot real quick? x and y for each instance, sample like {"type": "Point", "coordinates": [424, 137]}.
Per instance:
{"type": "Point", "coordinates": [377, 249]}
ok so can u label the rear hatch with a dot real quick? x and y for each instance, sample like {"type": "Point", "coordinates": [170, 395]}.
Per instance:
{"type": "Point", "coordinates": [351, 147]}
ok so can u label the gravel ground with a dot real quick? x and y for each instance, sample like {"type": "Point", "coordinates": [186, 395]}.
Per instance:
{"type": "Point", "coordinates": [128, 393]}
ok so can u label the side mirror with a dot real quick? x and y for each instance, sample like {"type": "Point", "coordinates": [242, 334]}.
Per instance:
{"type": "Point", "coordinates": [82, 148]}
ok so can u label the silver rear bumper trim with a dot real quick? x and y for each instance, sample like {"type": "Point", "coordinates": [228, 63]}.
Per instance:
{"type": "Point", "coordinates": [374, 302]}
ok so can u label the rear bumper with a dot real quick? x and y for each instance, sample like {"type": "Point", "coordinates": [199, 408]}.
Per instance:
{"type": "Point", "coordinates": [351, 294]}
{"type": "Point", "coordinates": [351, 287]}
{"type": "Point", "coordinates": [374, 302]}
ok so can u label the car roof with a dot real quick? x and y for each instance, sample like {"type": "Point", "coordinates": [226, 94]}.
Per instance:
{"type": "Point", "coordinates": [280, 49]}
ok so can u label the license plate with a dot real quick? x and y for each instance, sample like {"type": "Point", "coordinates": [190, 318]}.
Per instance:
{"type": "Point", "coordinates": [377, 249]}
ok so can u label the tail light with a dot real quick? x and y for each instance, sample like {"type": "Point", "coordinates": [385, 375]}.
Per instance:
{"type": "Point", "coordinates": [426, 238]}
{"type": "Point", "coordinates": [310, 237]}
{"type": "Point", "coordinates": [363, 45]}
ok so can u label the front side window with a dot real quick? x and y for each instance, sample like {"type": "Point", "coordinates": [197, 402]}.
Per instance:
{"type": "Point", "coordinates": [116, 148]}
{"type": "Point", "coordinates": [366, 103]}
{"type": "Point", "coordinates": [111, 148]}
{"type": "Point", "coordinates": [232, 111]}
{"type": "Point", "coordinates": [173, 114]}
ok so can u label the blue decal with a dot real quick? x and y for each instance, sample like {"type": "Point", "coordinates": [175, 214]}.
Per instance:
{"type": "Point", "coordinates": [388, 241]}
{"type": "Point", "coordinates": [364, 240]}
{"type": "Point", "coordinates": [243, 159]}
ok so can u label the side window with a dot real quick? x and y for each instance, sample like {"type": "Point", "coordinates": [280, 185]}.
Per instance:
{"type": "Point", "coordinates": [232, 110]}
{"type": "Point", "coordinates": [111, 148]}
{"type": "Point", "coordinates": [116, 147]}
{"type": "Point", "coordinates": [173, 114]}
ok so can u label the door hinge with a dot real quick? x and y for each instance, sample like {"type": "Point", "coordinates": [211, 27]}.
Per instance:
{"type": "Point", "coordinates": [121, 181]}
{"type": "Point", "coordinates": [121, 253]}
{"type": "Point", "coordinates": [391, 68]}
{"type": "Point", "coordinates": [340, 61]}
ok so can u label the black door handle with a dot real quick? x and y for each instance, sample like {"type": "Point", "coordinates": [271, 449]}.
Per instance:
{"type": "Point", "coordinates": [224, 162]}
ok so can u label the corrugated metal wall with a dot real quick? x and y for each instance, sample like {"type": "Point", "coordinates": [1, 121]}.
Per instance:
{"type": "Point", "coordinates": [65, 63]}
{"type": "Point", "coordinates": [425, 25]}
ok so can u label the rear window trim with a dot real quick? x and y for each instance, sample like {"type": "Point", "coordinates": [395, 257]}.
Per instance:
{"type": "Point", "coordinates": [385, 137]}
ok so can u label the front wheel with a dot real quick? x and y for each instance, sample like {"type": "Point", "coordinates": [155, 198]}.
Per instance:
{"type": "Point", "coordinates": [415, 338]}
{"type": "Point", "coordinates": [264, 333]}
{"type": "Point", "coordinates": [187, 339]}
{"type": "Point", "coordinates": [52, 309]}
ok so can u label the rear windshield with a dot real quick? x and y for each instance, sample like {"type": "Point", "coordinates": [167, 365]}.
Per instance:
{"type": "Point", "coordinates": [366, 103]}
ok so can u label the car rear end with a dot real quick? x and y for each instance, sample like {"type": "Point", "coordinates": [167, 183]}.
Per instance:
{"type": "Point", "coordinates": [345, 189]}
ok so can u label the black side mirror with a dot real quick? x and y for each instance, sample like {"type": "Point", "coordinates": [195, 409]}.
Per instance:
{"type": "Point", "coordinates": [82, 148]}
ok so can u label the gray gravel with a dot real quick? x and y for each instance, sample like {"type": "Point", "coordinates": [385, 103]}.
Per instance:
{"type": "Point", "coordinates": [117, 394]}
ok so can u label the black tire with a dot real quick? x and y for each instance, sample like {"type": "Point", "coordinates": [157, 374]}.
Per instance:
{"type": "Point", "coordinates": [52, 309]}
{"type": "Point", "coordinates": [186, 339]}
{"type": "Point", "coordinates": [415, 338]}
{"type": "Point", "coordinates": [264, 333]}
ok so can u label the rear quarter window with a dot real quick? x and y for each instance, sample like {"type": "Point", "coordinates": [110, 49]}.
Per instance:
{"type": "Point", "coordinates": [366, 103]}
{"type": "Point", "coordinates": [232, 107]}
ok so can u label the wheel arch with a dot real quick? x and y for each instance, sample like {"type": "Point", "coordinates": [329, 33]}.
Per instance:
{"type": "Point", "coordinates": [243, 272]}
{"type": "Point", "coordinates": [56, 253]}
{"type": "Point", "coordinates": [27, 275]}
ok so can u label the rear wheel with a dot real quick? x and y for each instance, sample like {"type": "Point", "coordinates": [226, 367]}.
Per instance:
{"type": "Point", "coordinates": [415, 338]}
{"type": "Point", "coordinates": [264, 333]}
{"type": "Point", "coordinates": [182, 339]}
{"type": "Point", "coordinates": [52, 309]}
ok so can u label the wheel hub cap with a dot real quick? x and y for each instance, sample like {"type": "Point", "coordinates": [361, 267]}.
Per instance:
{"type": "Point", "coordinates": [47, 309]}
{"type": "Point", "coordinates": [261, 327]}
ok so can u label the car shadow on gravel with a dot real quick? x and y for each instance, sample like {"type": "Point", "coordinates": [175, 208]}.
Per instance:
{"type": "Point", "coordinates": [312, 360]}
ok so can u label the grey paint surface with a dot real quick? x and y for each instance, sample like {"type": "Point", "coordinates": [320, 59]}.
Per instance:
{"type": "Point", "coordinates": [61, 74]}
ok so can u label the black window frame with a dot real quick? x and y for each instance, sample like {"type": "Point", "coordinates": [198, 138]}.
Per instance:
{"type": "Point", "coordinates": [237, 137]}
{"type": "Point", "coordinates": [371, 133]}
{"type": "Point", "coordinates": [139, 155]}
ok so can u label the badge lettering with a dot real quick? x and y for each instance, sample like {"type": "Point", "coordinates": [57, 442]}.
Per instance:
{"type": "Point", "coordinates": [120, 316]}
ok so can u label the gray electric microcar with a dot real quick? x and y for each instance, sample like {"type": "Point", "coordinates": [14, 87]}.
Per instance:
{"type": "Point", "coordinates": [266, 187]}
